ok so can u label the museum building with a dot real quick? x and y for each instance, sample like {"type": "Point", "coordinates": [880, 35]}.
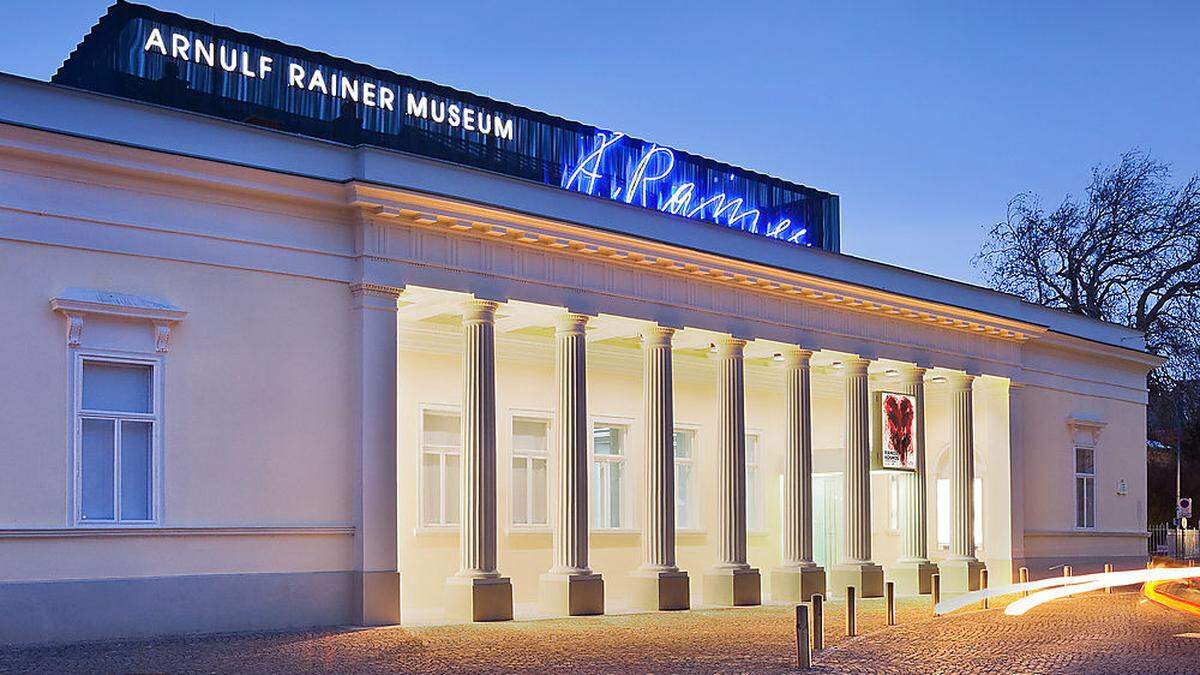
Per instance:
{"type": "Point", "coordinates": [294, 341]}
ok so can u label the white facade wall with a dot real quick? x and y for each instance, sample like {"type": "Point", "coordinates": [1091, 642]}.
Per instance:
{"type": "Point", "coordinates": [261, 506]}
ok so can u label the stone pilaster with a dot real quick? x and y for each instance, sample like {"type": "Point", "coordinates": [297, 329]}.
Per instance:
{"type": "Point", "coordinates": [377, 596]}
{"type": "Point", "coordinates": [570, 587]}
{"type": "Point", "coordinates": [478, 592]}
{"type": "Point", "coordinates": [798, 578]}
{"type": "Point", "coordinates": [857, 568]}
{"type": "Point", "coordinates": [732, 581]}
{"type": "Point", "coordinates": [658, 583]}
{"type": "Point", "coordinates": [913, 573]}
{"type": "Point", "coordinates": [960, 571]}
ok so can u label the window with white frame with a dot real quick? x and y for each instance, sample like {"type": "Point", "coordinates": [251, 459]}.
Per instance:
{"type": "Point", "coordinates": [686, 500]}
{"type": "Point", "coordinates": [116, 427]}
{"type": "Point", "coordinates": [894, 502]}
{"type": "Point", "coordinates": [441, 455]}
{"type": "Point", "coordinates": [754, 490]}
{"type": "Point", "coordinates": [1085, 488]}
{"type": "Point", "coordinates": [944, 509]}
{"type": "Point", "coordinates": [530, 457]}
{"type": "Point", "coordinates": [608, 476]}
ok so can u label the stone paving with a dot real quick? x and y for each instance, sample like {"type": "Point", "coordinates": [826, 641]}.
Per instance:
{"type": "Point", "coordinates": [1120, 633]}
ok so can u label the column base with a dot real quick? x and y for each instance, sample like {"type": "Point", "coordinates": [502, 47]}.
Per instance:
{"type": "Point", "coordinates": [960, 576]}
{"type": "Point", "coordinates": [571, 594]}
{"type": "Point", "coordinates": [913, 578]}
{"type": "Point", "coordinates": [797, 584]}
{"type": "Point", "coordinates": [732, 587]}
{"type": "Point", "coordinates": [377, 599]}
{"type": "Point", "coordinates": [654, 591]}
{"type": "Point", "coordinates": [479, 599]}
{"type": "Point", "coordinates": [866, 578]}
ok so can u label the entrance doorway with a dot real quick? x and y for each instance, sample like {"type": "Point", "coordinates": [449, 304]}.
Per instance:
{"type": "Point", "coordinates": [827, 519]}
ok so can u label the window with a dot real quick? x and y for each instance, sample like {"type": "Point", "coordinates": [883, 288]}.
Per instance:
{"type": "Point", "coordinates": [1085, 488]}
{"type": "Point", "coordinates": [441, 452]}
{"type": "Point", "coordinates": [944, 509]}
{"type": "Point", "coordinates": [116, 424]}
{"type": "Point", "coordinates": [530, 453]}
{"type": "Point", "coordinates": [894, 502]}
{"type": "Point", "coordinates": [608, 476]}
{"type": "Point", "coordinates": [754, 503]}
{"type": "Point", "coordinates": [686, 501]}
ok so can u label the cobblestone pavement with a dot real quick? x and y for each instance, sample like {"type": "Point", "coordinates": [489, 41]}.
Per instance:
{"type": "Point", "coordinates": [1120, 633]}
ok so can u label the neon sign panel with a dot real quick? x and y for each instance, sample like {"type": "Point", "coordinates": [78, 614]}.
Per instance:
{"type": "Point", "coordinates": [648, 177]}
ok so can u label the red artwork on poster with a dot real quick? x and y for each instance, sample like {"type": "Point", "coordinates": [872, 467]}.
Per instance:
{"type": "Point", "coordinates": [899, 431]}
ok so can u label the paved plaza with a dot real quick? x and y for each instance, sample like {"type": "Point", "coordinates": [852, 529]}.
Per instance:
{"type": "Point", "coordinates": [1121, 633]}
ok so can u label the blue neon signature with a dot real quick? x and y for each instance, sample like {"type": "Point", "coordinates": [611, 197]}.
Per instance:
{"type": "Point", "coordinates": [651, 174]}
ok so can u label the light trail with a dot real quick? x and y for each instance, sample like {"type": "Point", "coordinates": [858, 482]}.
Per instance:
{"type": "Point", "coordinates": [1168, 600]}
{"type": "Point", "coordinates": [1045, 590]}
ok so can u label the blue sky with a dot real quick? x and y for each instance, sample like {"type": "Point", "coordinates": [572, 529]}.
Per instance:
{"type": "Point", "coordinates": [924, 119]}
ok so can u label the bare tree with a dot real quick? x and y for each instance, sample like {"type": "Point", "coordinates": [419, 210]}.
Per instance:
{"type": "Point", "coordinates": [1127, 251]}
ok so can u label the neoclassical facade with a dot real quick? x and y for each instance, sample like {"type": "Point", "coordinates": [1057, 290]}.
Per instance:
{"type": "Point", "coordinates": [259, 380]}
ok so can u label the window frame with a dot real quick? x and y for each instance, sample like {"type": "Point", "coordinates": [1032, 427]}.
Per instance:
{"type": "Point", "coordinates": [627, 524]}
{"type": "Point", "coordinates": [537, 416]}
{"type": "Point", "coordinates": [756, 493]}
{"type": "Point", "coordinates": [154, 418]}
{"type": "Point", "coordinates": [694, 511]}
{"type": "Point", "coordinates": [1089, 509]}
{"type": "Point", "coordinates": [422, 525]}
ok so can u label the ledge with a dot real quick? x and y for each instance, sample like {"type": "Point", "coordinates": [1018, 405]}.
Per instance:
{"type": "Point", "coordinates": [201, 531]}
{"type": "Point", "coordinates": [1087, 533]}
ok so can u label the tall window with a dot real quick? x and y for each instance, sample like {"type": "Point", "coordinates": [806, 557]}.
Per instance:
{"type": "Point", "coordinates": [894, 502]}
{"type": "Point", "coordinates": [754, 502]}
{"type": "Point", "coordinates": [608, 476]}
{"type": "Point", "coordinates": [686, 506]}
{"type": "Point", "coordinates": [441, 453]}
{"type": "Point", "coordinates": [116, 422]}
{"type": "Point", "coordinates": [944, 509]}
{"type": "Point", "coordinates": [1085, 487]}
{"type": "Point", "coordinates": [530, 452]}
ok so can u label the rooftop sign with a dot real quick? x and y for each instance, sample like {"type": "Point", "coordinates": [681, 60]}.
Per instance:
{"type": "Point", "coordinates": [142, 53]}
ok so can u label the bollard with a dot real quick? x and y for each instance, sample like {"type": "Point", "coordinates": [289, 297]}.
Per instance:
{"type": "Point", "coordinates": [937, 590]}
{"type": "Point", "coordinates": [1023, 576]}
{"type": "Point", "coordinates": [889, 595]}
{"type": "Point", "coordinates": [851, 612]}
{"type": "Point", "coordinates": [818, 622]}
{"type": "Point", "coordinates": [803, 651]}
{"type": "Point", "coordinates": [1066, 570]}
{"type": "Point", "coordinates": [983, 586]}
{"type": "Point", "coordinates": [1108, 570]}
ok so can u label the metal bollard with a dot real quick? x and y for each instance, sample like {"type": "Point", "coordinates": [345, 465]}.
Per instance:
{"type": "Point", "coordinates": [889, 595]}
{"type": "Point", "coordinates": [851, 612]}
{"type": "Point", "coordinates": [937, 590]}
{"type": "Point", "coordinates": [818, 622]}
{"type": "Point", "coordinates": [983, 585]}
{"type": "Point", "coordinates": [1023, 576]}
{"type": "Point", "coordinates": [1066, 570]}
{"type": "Point", "coordinates": [1108, 570]}
{"type": "Point", "coordinates": [803, 650]}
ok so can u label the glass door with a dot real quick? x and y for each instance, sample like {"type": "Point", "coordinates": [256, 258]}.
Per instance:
{"type": "Point", "coordinates": [827, 519]}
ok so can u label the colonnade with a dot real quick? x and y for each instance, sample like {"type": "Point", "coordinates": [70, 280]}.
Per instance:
{"type": "Point", "coordinates": [478, 591]}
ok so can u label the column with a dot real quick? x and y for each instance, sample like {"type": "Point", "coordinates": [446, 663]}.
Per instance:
{"type": "Point", "coordinates": [658, 583]}
{"type": "Point", "coordinates": [913, 573]}
{"type": "Point", "coordinates": [377, 592]}
{"type": "Point", "coordinates": [732, 581]}
{"type": "Point", "coordinates": [478, 592]}
{"type": "Point", "coordinates": [570, 587]}
{"type": "Point", "coordinates": [798, 578]}
{"type": "Point", "coordinates": [856, 568]}
{"type": "Point", "coordinates": [960, 571]}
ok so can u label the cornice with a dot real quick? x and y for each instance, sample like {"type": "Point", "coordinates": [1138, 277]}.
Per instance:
{"type": "Point", "coordinates": [420, 210]}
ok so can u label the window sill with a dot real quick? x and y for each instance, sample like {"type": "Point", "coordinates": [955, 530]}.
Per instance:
{"type": "Point", "coordinates": [433, 530]}
{"type": "Point", "coordinates": [614, 531]}
{"type": "Point", "coordinates": [528, 529]}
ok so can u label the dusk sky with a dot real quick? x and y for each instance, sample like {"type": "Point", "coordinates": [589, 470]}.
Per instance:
{"type": "Point", "coordinates": [924, 120]}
